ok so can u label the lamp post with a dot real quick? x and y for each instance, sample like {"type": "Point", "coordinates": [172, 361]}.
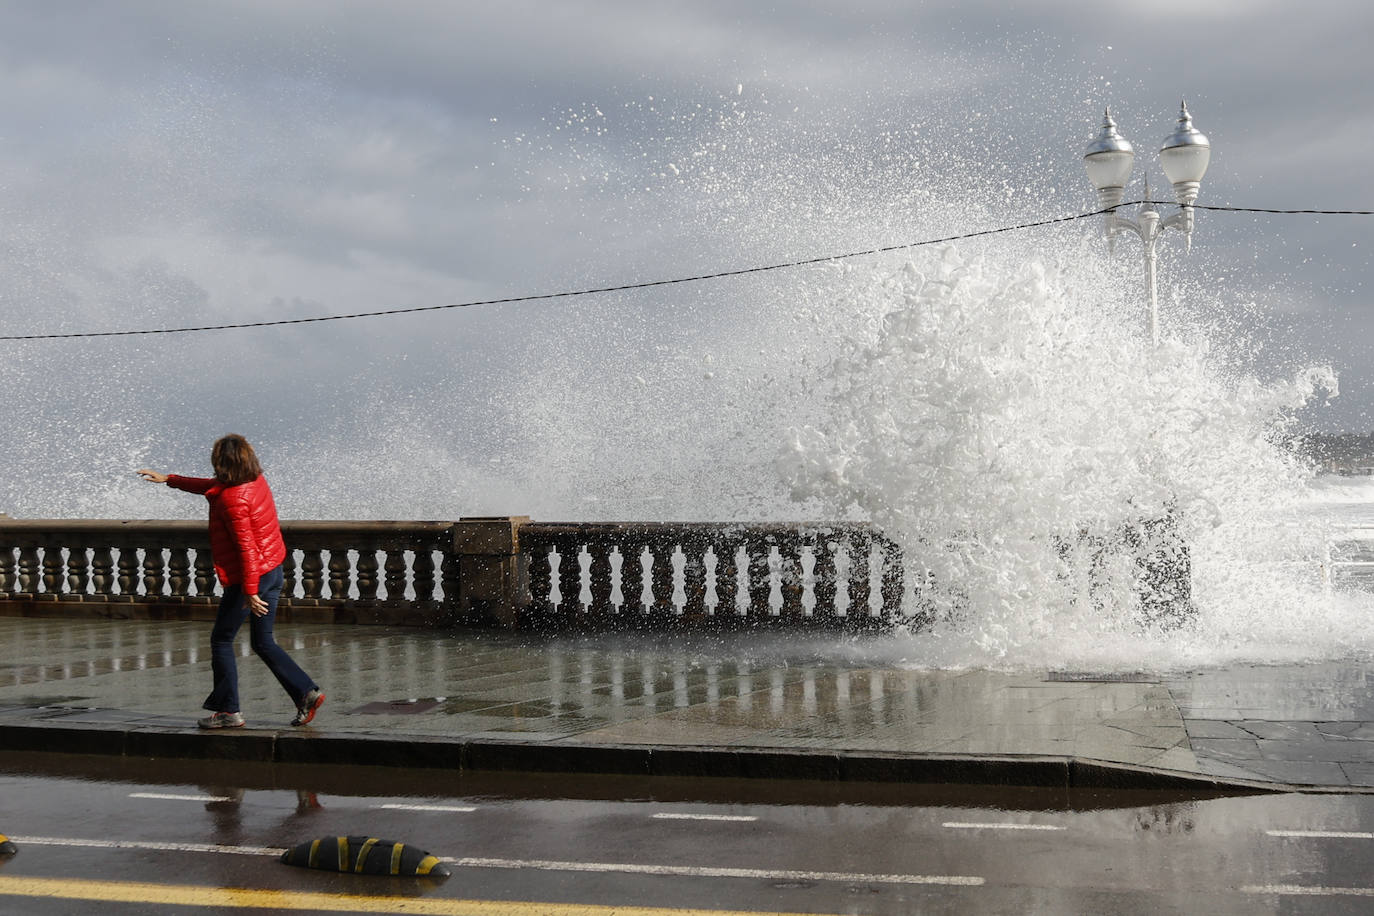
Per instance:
{"type": "Point", "coordinates": [1184, 157]}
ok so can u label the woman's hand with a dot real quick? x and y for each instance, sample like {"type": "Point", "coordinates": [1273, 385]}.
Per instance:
{"type": "Point", "coordinates": [152, 476]}
{"type": "Point", "coordinates": [257, 605]}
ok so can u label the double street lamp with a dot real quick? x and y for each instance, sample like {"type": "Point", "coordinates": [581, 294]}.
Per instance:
{"type": "Point", "coordinates": [1184, 157]}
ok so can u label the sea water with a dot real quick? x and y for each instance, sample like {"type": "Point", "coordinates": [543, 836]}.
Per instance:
{"type": "Point", "coordinates": [990, 410]}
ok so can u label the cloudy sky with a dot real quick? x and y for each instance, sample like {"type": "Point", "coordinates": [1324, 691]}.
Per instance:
{"type": "Point", "coordinates": [167, 164]}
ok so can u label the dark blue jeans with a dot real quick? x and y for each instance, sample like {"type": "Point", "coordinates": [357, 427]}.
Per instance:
{"type": "Point", "coordinates": [232, 610]}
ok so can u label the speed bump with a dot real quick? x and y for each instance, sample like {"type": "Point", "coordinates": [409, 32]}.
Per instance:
{"type": "Point", "coordinates": [365, 855]}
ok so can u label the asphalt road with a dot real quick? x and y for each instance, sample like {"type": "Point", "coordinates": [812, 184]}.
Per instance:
{"type": "Point", "coordinates": [157, 838]}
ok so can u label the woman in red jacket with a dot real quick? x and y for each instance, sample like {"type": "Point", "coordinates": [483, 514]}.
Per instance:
{"type": "Point", "coordinates": [247, 548]}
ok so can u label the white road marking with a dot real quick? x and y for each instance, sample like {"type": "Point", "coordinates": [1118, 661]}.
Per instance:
{"type": "Point", "coordinates": [698, 871]}
{"type": "Point", "coordinates": [1323, 834]}
{"type": "Point", "coordinates": [979, 825]}
{"type": "Point", "coordinates": [667, 816]}
{"type": "Point", "coordinates": [689, 871]}
{"type": "Point", "coordinates": [143, 844]}
{"type": "Point", "coordinates": [1307, 890]}
{"type": "Point", "coordinates": [167, 796]}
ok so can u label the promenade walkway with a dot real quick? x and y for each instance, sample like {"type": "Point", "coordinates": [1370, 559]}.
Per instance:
{"type": "Point", "coordinates": [740, 704]}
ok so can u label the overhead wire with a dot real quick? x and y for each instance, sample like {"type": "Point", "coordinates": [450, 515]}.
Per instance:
{"type": "Point", "coordinates": [649, 284]}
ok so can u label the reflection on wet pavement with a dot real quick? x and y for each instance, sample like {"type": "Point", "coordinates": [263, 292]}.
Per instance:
{"type": "Point", "coordinates": [740, 690]}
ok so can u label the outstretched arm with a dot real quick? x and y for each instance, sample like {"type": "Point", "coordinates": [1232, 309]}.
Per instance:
{"type": "Point", "coordinates": [199, 485]}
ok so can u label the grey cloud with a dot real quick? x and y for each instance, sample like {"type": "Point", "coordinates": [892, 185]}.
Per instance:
{"type": "Point", "coordinates": [169, 163]}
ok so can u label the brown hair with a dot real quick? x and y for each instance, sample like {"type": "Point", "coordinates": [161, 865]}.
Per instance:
{"type": "Point", "coordinates": [234, 460]}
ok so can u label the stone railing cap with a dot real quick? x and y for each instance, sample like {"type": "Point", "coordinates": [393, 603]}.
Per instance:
{"type": "Point", "coordinates": [488, 536]}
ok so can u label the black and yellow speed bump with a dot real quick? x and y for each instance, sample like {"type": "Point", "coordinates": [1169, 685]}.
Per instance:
{"type": "Point", "coordinates": [365, 855]}
{"type": "Point", "coordinates": [7, 848]}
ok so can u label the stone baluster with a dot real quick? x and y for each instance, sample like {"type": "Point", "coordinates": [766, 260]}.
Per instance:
{"type": "Point", "coordinates": [727, 579]}
{"type": "Point", "coordinates": [288, 577]}
{"type": "Point", "coordinates": [541, 583]}
{"type": "Point", "coordinates": [570, 578]}
{"type": "Point", "coordinates": [204, 573]}
{"type": "Point", "coordinates": [422, 572]}
{"type": "Point", "coordinates": [179, 571]}
{"type": "Point", "coordinates": [790, 578]}
{"type": "Point", "coordinates": [312, 574]}
{"type": "Point", "coordinates": [694, 578]}
{"type": "Point", "coordinates": [29, 566]}
{"type": "Point", "coordinates": [78, 571]}
{"type": "Point", "coordinates": [53, 568]}
{"type": "Point", "coordinates": [368, 583]}
{"type": "Point", "coordinates": [661, 578]}
{"type": "Point", "coordinates": [563, 573]}
{"type": "Point", "coordinates": [650, 572]}
{"type": "Point", "coordinates": [859, 588]}
{"type": "Point", "coordinates": [921, 614]}
{"type": "Point", "coordinates": [7, 566]}
{"type": "Point", "coordinates": [892, 581]}
{"type": "Point", "coordinates": [760, 578]}
{"type": "Point", "coordinates": [599, 579]}
{"type": "Point", "coordinates": [102, 571]}
{"type": "Point", "coordinates": [632, 577]}
{"type": "Point", "coordinates": [394, 570]}
{"type": "Point", "coordinates": [153, 575]}
{"type": "Point", "coordinates": [128, 571]}
{"type": "Point", "coordinates": [824, 574]}
{"type": "Point", "coordinates": [450, 577]}
{"type": "Point", "coordinates": [340, 574]}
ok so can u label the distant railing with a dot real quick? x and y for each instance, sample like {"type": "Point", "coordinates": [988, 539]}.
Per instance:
{"type": "Point", "coordinates": [1349, 560]}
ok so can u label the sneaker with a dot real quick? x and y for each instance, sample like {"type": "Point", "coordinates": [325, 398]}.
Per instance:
{"type": "Point", "coordinates": [306, 711]}
{"type": "Point", "coordinates": [222, 720]}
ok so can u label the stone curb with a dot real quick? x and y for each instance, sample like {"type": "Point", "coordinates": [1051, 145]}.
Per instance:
{"type": "Point", "coordinates": [456, 754]}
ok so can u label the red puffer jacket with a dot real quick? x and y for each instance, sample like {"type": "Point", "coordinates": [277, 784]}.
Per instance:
{"type": "Point", "coordinates": [245, 536]}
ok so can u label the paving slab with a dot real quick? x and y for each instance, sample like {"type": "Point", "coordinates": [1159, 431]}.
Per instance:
{"type": "Point", "coordinates": [740, 703]}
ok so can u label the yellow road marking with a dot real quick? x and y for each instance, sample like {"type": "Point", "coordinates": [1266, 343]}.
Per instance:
{"type": "Point", "coordinates": [244, 898]}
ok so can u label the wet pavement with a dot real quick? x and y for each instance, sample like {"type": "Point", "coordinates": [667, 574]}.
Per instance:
{"type": "Point", "coordinates": [750, 705]}
{"type": "Point", "coordinates": [158, 845]}
{"type": "Point", "coordinates": [158, 837]}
